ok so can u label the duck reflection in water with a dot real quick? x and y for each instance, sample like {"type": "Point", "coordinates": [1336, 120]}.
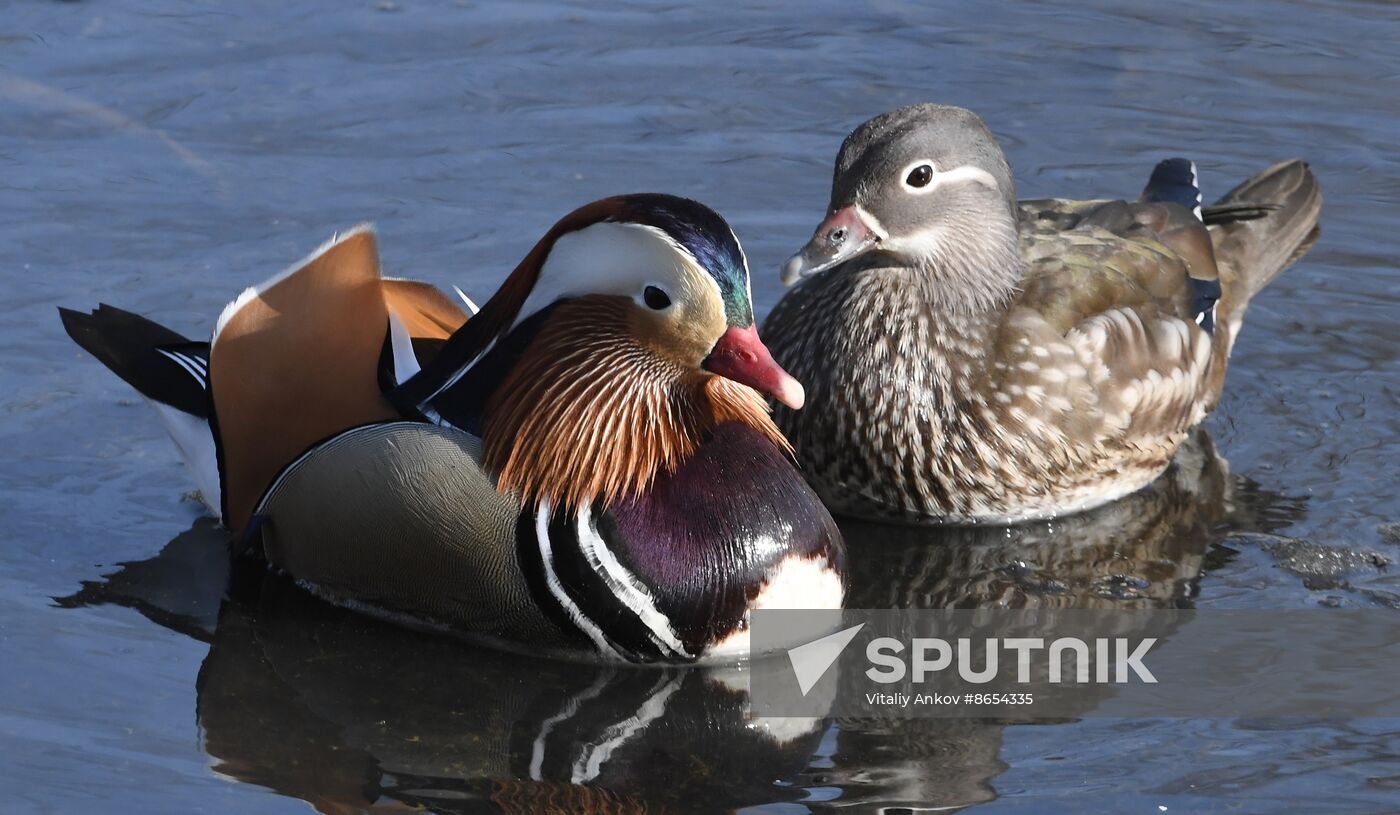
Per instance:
{"type": "Point", "coordinates": [357, 715]}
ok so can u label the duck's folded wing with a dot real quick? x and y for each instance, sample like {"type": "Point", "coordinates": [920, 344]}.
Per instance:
{"type": "Point", "coordinates": [1155, 369]}
{"type": "Point", "coordinates": [301, 358]}
{"type": "Point", "coordinates": [1108, 295]}
{"type": "Point", "coordinates": [1088, 257]}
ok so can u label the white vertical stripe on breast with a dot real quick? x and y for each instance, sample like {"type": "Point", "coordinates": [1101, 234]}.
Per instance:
{"type": "Point", "coordinates": [629, 590]}
{"type": "Point", "coordinates": [556, 588]}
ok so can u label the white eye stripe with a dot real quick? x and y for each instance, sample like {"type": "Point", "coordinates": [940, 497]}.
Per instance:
{"type": "Point", "coordinates": [967, 172]}
{"type": "Point", "coordinates": [613, 258]}
{"type": "Point", "coordinates": [872, 223]}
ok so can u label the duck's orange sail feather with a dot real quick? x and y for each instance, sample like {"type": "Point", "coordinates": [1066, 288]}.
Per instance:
{"type": "Point", "coordinates": [423, 309]}
{"type": "Point", "coordinates": [297, 361]}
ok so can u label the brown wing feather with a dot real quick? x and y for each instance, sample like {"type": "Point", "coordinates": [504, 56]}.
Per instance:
{"type": "Point", "coordinates": [294, 362]}
{"type": "Point", "coordinates": [423, 309]}
{"type": "Point", "coordinates": [1113, 278]}
{"type": "Point", "coordinates": [1088, 257]}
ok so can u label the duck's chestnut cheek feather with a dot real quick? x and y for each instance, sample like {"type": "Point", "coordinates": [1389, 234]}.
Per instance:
{"type": "Point", "coordinates": [741, 356]}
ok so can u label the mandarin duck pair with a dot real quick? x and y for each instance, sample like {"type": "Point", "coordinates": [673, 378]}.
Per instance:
{"type": "Point", "coordinates": [588, 463]}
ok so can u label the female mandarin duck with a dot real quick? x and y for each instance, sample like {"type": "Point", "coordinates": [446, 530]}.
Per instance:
{"type": "Point", "coordinates": [587, 461]}
{"type": "Point", "coordinates": [969, 359]}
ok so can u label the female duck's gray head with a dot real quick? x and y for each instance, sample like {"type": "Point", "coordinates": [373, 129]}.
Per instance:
{"type": "Point", "coordinates": [909, 184]}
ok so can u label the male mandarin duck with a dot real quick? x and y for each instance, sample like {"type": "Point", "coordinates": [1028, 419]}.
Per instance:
{"type": "Point", "coordinates": [588, 462]}
{"type": "Point", "coordinates": [970, 359]}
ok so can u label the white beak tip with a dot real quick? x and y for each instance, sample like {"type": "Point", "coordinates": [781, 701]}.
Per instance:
{"type": "Point", "coordinates": [792, 271]}
{"type": "Point", "coordinates": [791, 393]}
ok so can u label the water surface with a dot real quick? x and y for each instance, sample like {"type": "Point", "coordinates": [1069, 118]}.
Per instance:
{"type": "Point", "coordinates": [160, 156]}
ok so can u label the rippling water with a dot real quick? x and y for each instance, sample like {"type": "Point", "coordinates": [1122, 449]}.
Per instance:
{"type": "Point", "coordinates": [161, 155]}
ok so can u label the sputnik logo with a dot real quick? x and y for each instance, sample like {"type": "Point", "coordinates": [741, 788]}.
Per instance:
{"type": "Point", "coordinates": [811, 661]}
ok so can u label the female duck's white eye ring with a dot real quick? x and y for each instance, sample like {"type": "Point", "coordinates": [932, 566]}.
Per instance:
{"type": "Point", "coordinates": [920, 176]}
{"type": "Point", "coordinates": [656, 298]}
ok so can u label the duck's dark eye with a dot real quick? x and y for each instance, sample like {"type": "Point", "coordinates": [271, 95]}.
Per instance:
{"type": "Point", "coordinates": [656, 298]}
{"type": "Point", "coordinates": [920, 176]}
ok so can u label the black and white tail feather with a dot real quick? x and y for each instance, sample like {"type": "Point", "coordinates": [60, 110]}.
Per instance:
{"type": "Point", "coordinates": [170, 370]}
{"type": "Point", "coordinates": [1176, 181]}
